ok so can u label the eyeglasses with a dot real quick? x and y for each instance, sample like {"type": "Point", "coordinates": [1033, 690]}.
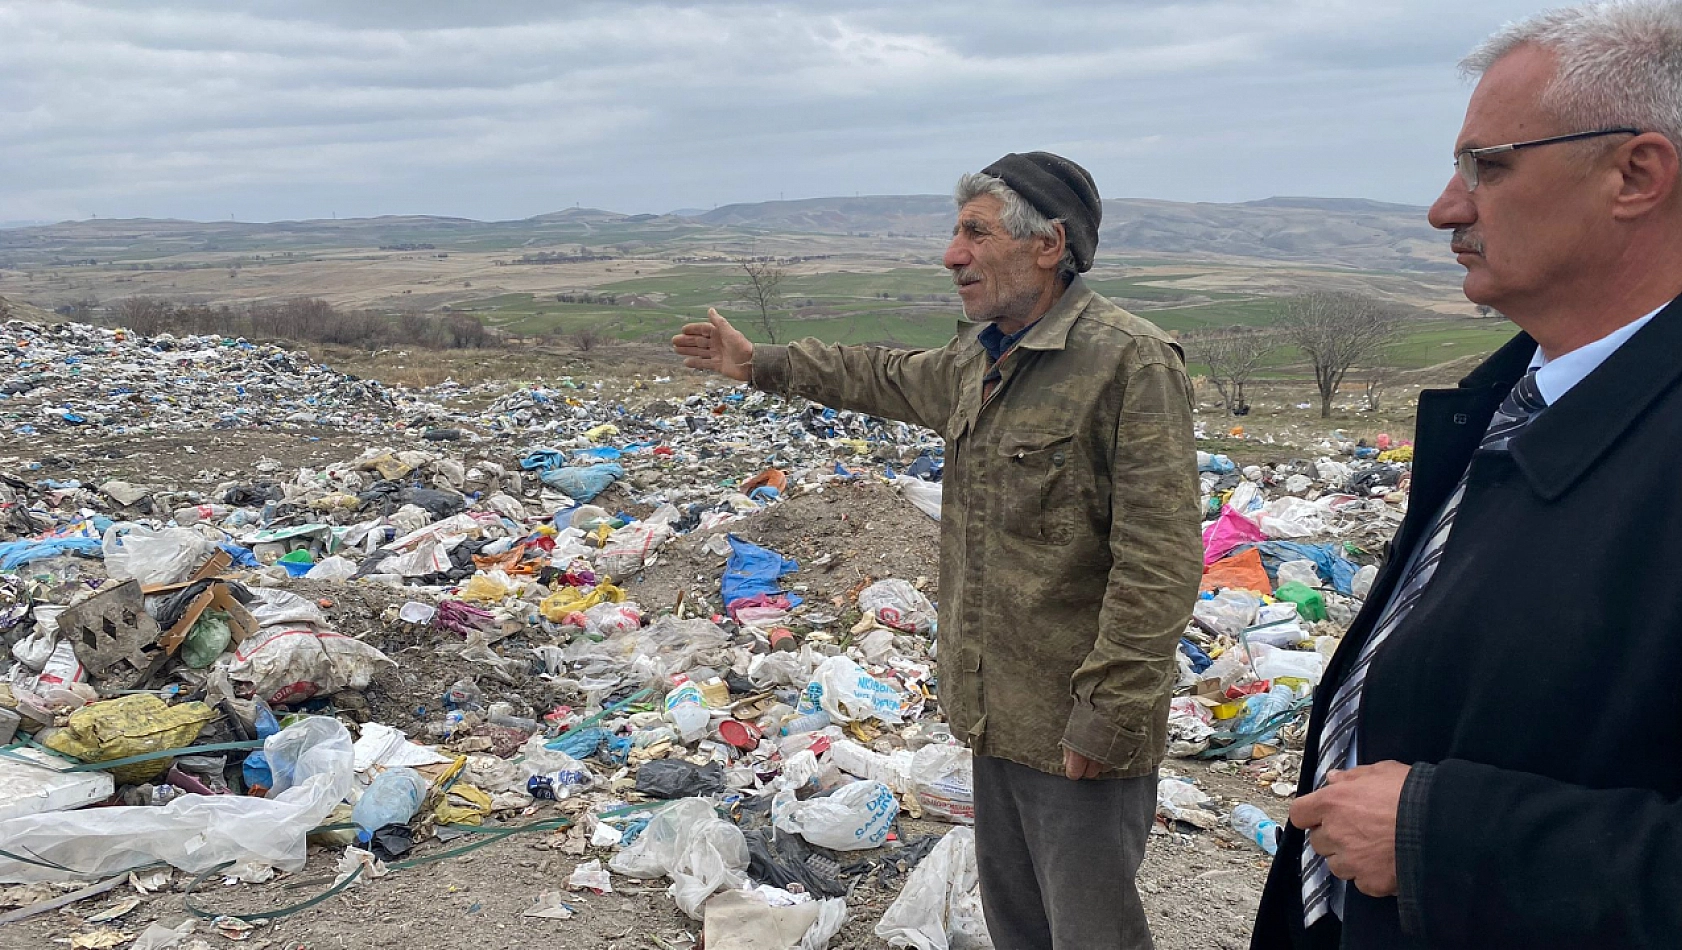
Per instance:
{"type": "Point", "coordinates": [1466, 160]}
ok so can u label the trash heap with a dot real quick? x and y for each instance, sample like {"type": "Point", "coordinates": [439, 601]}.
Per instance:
{"type": "Point", "coordinates": [1290, 551]}
{"type": "Point", "coordinates": [73, 375]}
{"type": "Point", "coordinates": [692, 639]}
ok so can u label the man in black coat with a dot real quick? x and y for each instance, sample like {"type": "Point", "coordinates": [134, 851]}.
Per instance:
{"type": "Point", "coordinates": [1493, 760]}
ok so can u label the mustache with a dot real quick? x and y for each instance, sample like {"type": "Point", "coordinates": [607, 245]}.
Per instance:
{"type": "Point", "coordinates": [965, 274]}
{"type": "Point", "coordinates": [1464, 239]}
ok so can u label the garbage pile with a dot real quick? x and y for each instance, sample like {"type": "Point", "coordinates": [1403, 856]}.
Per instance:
{"type": "Point", "coordinates": [72, 375]}
{"type": "Point", "coordinates": [1290, 554]}
{"type": "Point", "coordinates": [692, 639]}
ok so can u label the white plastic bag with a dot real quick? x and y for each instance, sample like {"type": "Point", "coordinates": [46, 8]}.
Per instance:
{"type": "Point", "coordinates": [1227, 612]}
{"type": "Point", "coordinates": [311, 761]}
{"type": "Point", "coordinates": [1286, 519]}
{"type": "Point", "coordinates": [288, 665]}
{"type": "Point", "coordinates": [605, 620]}
{"type": "Point", "coordinates": [1361, 586]}
{"type": "Point", "coordinates": [853, 818]}
{"type": "Point", "coordinates": [940, 907]}
{"type": "Point", "coordinates": [333, 568]}
{"type": "Point", "coordinates": [925, 496]}
{"type": "Point", "coordinates": [899, 605]}
{"type": "Point", "coordinates": [1302, 572]}
{"type": "Point", "coordinates": [631, 547]}
{"type": "Point", "coordinates": [844, 690]}
{"type": "Point", "coordinates": [164, 556]}
{"type": "Point", "coordinates": [943, 779]}
{"type": "Point", "coordinates": [688, 842]}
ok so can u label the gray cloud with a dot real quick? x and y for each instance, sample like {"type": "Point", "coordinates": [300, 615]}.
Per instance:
{"type": "Point", "coordinates": [269, 110]}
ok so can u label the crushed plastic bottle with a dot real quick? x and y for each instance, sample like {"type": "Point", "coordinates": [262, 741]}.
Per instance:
{"type": "Point", "coordinates": [1254, 826]}
{"type": "Point", "coordinates": [392, 799]}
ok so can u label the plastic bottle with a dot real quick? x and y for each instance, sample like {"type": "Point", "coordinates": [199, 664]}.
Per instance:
{"type": "Point", "coordinates": [392, 799]}
{"type": "Point", "coordinates": [811, 722]}
{"type": "Point", "coordinates": [1252, 824]}
{"type": "Point", "coordinates": [687, 710]}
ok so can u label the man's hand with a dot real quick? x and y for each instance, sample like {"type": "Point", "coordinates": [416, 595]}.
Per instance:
{"type": "Point", "coordinates": [716, 345]}
{"type": "Point", "coordinates": [1352, 824]}
{"type": "Point", "coordinates": [1077, 766]}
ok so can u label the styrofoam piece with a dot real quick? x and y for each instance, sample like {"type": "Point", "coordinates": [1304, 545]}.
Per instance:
{"type": "Point", "coordinates": [27, 789]}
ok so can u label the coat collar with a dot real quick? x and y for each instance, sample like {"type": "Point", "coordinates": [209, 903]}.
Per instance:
{"type": "Point", "coordinates": [1051, 331]}
{"type": "Point", "coordinates": [1567, 439]}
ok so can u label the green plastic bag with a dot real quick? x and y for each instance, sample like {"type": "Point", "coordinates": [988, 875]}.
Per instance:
{"type": "Point", "coordinates": [206, 641]}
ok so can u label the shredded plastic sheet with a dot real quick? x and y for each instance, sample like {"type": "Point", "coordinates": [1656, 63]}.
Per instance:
{"type": "Point", "coordinates": [312, 765]}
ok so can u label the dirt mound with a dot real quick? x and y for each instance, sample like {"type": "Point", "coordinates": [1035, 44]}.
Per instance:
{"type": "Point", "coordinates": [865, 529]}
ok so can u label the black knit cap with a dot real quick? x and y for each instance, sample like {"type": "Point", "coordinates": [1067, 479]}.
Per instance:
{"type": "Point", "coordinates": [1060, 190]}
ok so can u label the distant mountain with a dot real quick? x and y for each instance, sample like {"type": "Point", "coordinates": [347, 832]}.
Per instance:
{"type": "Point", "coordinates": [1343, 232]}
{"type": "Point", "coordinates": [1352, 232]}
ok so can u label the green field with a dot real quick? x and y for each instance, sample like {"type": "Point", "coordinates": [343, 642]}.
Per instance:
{"type": "Point", "coordinates": [917, 307]}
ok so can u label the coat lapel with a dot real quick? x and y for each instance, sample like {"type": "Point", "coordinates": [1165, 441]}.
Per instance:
{"type": "Point", "coordinates": [1567, 439]}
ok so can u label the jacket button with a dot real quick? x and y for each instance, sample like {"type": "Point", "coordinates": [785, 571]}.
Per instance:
{"type": "Point", "coordinates": [1057, 459]}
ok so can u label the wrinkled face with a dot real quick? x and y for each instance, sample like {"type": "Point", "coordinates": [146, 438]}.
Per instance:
{"type": "Point", "coordinates": [995, 274]}
{"type": "Point", "coordinates": [1539, 215]}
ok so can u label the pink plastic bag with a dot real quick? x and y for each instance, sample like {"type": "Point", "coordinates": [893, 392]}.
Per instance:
{"type": "Point", "coordinates": [1229, 531]}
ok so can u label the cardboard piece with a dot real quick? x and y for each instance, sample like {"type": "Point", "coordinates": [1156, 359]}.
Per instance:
{"type": "Point", "coordinates": [111, 633]}
{"type": "Point", "coordinates": [214, 597]}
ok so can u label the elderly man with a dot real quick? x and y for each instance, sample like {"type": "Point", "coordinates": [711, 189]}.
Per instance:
{"type": "Point", "coordinates": [1486, 765]}
{"type": "Point", "coordinates": [1069, 541]}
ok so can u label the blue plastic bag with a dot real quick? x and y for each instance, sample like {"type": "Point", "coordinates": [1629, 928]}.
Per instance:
{"type": "Point", "coordinates": [753, 571]}
{"type": "Point", "coordinates": [583, 483]}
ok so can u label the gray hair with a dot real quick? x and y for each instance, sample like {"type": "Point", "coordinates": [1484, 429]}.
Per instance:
{"type": "Point", "coordinates": [1619, 63]}
{"type": "Point", "coordinates": [1020, 219]}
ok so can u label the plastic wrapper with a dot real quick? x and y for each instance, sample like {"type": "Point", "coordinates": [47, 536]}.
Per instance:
{"type": "Point", "coordinates": [898, 605]}
{"type": "Point", "coordinates": [853, 818]}
{"type": "Point", "coordinates": [1228, 531]}
{"type": "Point", "coordinates": [940, 906]}
{"type": "Point", "coordinates": [311, 761]}
{"type": "Point", "coordinates": [688, 842]}
{"type": "Point", "coordinates": [943, 779]}
{"type": "Point", "coordinates": [675, 778]}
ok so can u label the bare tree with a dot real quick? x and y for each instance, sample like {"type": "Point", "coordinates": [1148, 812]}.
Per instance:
{"type": "Point", "coordinates": [1233, 356]}
{"type": "Point", "coordinates": [1379, 377]}
{"type": "Point", "coordinates": [585, 339]}
{"type": "Point", "coordinates": [1336, 331]}
{"type": "Point", "coordinates": [763, 291]}
{"type": "Point", "coordinates": [146, 316]}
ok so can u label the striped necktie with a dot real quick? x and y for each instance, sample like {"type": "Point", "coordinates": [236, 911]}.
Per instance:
{"type": "Point", "coordinates": [1337, 738]}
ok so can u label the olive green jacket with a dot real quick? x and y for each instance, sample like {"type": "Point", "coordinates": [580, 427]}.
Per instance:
{"type": "Point", "coordinates": [1070, 553]}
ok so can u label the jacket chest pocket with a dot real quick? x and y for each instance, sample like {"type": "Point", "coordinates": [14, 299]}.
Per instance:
{"type": "Point", "coordinates": [1037, 488]}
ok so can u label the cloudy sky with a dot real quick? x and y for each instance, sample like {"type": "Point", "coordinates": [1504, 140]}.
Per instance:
{"type": "Point", "coordinates": [306, 108]}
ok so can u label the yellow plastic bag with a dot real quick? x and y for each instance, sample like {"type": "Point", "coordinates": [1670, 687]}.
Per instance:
{"type": "Point", "coordinates": [130, 725]}
{"type": "Point", "coordinates": [570, 600]}
{"type": "Point", "coordinates": [463, 805]}
{"type": "Point", "coordinates": [483, 588]}
{"type": "Point", "coordinates": [602, 432]}
{"type": "Point", "coordinates": [1401, 453]}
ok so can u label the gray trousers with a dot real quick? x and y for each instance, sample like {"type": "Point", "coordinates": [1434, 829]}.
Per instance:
{"type": "Point", "coordinates": [1057, 858]}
